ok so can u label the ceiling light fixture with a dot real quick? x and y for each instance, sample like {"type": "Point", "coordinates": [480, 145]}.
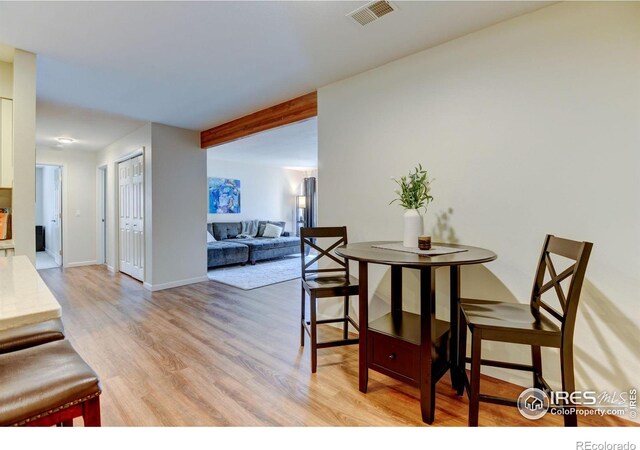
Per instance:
{"type": "Point", "coordinates": [65, 140]}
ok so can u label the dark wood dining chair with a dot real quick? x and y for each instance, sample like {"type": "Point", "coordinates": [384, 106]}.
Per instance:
{"type": "Point", "coordinates": [537, 324]}
{"type": "Point", "coordinates": [325, 282]}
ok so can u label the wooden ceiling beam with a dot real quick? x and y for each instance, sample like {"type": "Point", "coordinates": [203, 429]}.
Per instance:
{"type": "Point", "coordinates": [286, 113]}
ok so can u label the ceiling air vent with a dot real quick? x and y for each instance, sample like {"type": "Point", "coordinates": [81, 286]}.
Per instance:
{"type": "Point", "coordinates": [371, 11]}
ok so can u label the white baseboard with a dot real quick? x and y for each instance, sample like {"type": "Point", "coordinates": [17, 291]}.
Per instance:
{"type": "Point", "coordinates": [173, 284]}
{"type": "Point", "coordinates": [111, 269]}
{"type": "Point", "coordinates": [80, 264]}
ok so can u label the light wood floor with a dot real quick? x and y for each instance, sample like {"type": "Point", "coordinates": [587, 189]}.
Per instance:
{"type": "Point", "coordinates": [209, 354]}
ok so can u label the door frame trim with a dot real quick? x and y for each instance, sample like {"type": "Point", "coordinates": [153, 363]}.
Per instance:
{"type": "Point", "coordinates": [140, 151]}
{"type": "Point", "coordinates": [102, 177]}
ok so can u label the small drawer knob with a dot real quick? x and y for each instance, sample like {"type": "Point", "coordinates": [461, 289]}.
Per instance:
{"type": "Point", "coordinates": [392, 356]}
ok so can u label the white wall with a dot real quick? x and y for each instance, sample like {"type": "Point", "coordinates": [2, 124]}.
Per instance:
{"type": "Point", "coordinates": [78, 203]}
{"type": "Point", "coordinates": [267, 193]}
{"type": "Point", "coordinates": [175, 202]}
{"type": "Point", "coordinates": [529, 127]}
{"type": "Point", "coordinates": [179, 202]}
{"type": "Point", "coordinates": [6, 79]}
{"type": "Point", "coordinates": [24, 157]}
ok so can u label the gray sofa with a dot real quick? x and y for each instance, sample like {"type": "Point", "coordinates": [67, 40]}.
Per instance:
{"type": "Point", "coordinates": [228, 249]}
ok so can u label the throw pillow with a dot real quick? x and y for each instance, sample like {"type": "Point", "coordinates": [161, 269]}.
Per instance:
{"type": "Point", "coordinates": [210, 238]}
{"type": "Point", "coordinates": [263, 223]}
{"type": "Point", "coordinates": [272, 231]}
{"type": "Point", "coordinates": [283, 225]}
{"type": "Point", "coordinates": [261, 226]}
{"type": "Point", "coordinates": [219, 231]}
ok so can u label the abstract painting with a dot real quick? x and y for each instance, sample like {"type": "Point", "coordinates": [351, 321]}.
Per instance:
{"type": "Point", "coordinates": [224, 196]}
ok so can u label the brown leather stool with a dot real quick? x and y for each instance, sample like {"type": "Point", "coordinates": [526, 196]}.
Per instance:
{"type": "Point", "coordinates": [47, 385]}
{"type": "Point", "coordinates": [30, 335]}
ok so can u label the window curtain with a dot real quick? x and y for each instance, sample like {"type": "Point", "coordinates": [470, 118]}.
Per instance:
{"type": "Point", "coordinates": [310, 218]}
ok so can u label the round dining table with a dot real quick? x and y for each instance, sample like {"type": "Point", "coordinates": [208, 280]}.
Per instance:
{"type": "Point", "coordinates": [414, 348]}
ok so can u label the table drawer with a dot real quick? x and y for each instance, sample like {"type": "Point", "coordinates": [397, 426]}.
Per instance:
{"type": "Point", "coordinates": [394, 357]}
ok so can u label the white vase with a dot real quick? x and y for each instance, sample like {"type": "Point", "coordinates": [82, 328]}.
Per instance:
{"type": "Point", "coordinates": [412, 227]}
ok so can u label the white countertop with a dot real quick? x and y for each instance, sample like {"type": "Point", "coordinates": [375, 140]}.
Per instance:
{"type": "Point", "coordinates": [24, 298]}
{"type": "Point", "coordinates": [6, 243]}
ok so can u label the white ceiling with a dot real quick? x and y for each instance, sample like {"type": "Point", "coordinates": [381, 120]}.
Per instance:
{"type": "Point", "coordinates": [93, 130]}
{"type": "Point", "coordinates": [293, 146]}
{"type": "Point", "coordinates": [199, 64]}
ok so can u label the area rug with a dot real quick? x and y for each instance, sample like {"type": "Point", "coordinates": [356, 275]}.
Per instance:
{"type": "Point", "coordinates": [262, 274]}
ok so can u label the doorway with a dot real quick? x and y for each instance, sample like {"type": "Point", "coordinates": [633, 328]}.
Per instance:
{"type": "Point", "coordinates": [49, 224]}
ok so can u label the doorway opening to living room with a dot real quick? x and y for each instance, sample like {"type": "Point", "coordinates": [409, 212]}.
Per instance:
{"type": "Point", "coordinates": [261, 190]}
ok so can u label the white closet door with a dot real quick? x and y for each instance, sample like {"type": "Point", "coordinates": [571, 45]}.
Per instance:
{"type": "Point", "coordinates": [124, 227]}
{"type": "Point", "coordinates": [131, 217]}
{"type": "Point", "coordinates": [137, 217]}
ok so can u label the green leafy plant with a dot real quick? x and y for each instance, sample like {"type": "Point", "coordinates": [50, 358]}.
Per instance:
{"type": "Point", "coordinates": [414, 191]}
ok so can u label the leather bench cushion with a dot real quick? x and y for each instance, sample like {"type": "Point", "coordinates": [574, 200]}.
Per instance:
{"type": "Point", "coordinates": [30, 335]}
{"type": "Point", "coordinates": [39, 379]}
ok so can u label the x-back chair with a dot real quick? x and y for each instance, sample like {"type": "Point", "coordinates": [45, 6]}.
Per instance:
{"type": "Point", "coordinates": [537, 324]}
{"type": "Point", "coordinates": [325, 282]}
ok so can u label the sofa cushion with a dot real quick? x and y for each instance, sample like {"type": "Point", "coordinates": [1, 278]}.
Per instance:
{"type": "Point", "coordinates": [225, 230]}
{"type": "Point", "coordinates": [263, 243]}
{"type": "Point", "coordinates": [226, 244]}
{"type": "Point", "coordinates": [221, 253]}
